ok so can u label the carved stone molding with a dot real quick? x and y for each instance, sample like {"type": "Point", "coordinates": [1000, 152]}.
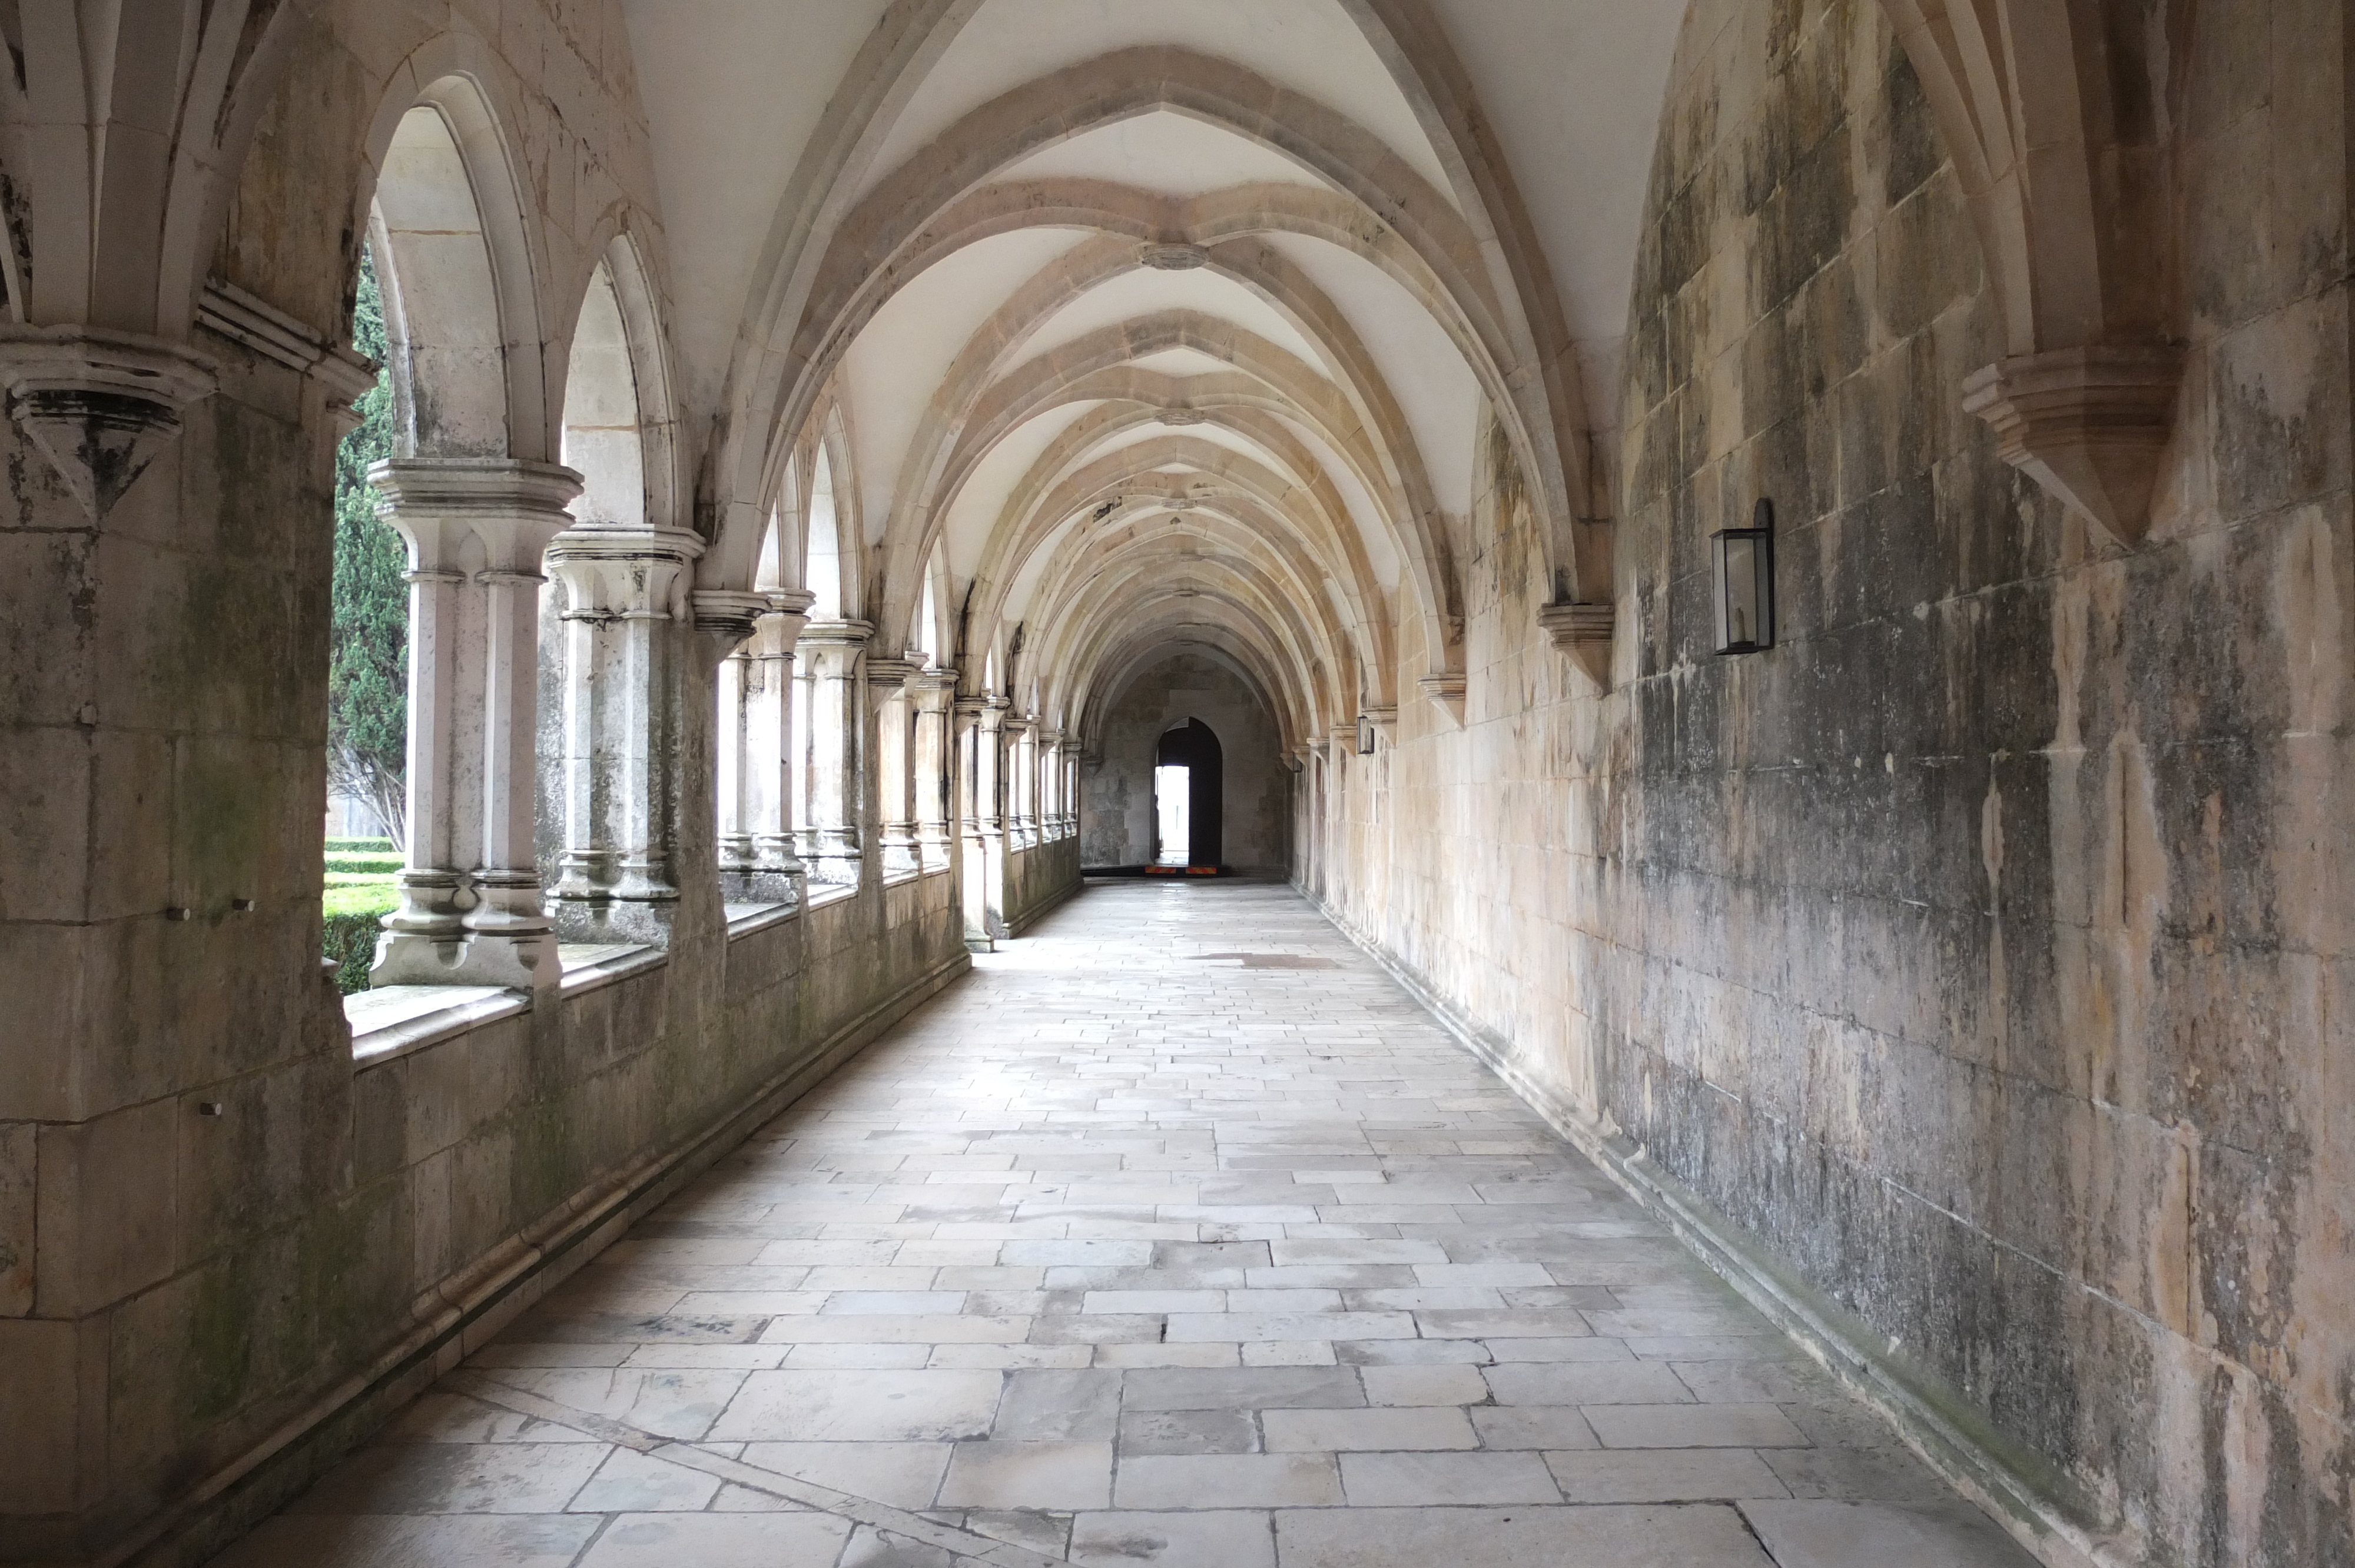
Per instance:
{"type": "Point", "coordinates": [1576, 626]}
{"type": "Point", "coordinates": [886, 678]}
{"type": "Point", "coordinates": [1583, 631]}
{"type": "Point", "coordinates": [248, 319]}
{"type": "Point", "coordinates": [2088, 424]}
{"type": "Point", "coordinates": [1178, 256]}
{"type": "Point", "coordinates": [726, 617]}
{"type": "Point", "coordinates": [98, 405]}
{"type": "Point", "coordinates": [788, 614]}
{"type": "Point", "coordinates": [1445, 691]}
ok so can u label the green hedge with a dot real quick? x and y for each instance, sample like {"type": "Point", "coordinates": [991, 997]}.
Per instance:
{"type": "Point", "coordinates": [374, 865]}
{"type": "Point", "coordinates": [354, 916]}
{"type": "Point", "coordinates": [366, 846]}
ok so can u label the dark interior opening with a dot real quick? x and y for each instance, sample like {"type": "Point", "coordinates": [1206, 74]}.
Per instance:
{"type": "Point", "coordinates": [1195, 747]}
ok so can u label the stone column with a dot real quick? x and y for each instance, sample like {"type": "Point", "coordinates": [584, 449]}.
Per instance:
{"type": "Point", "coordinates": [471, 911]}
{"type": "Point", "coordinates": [886, 689]}
{"type": "Point", "coordinates": [769, 870]}
{"type": "Point", "coordinates": [626, 618]}
{"type": "Point", "coordinates": [748, 755]}
{"type": "Point", "coordinates": [981, 738]}
{"type": "Point", "coordinates": [1052, 824]}
{"type": "Point", "coordinates": [732, 767]}
{"type": "Point", "coordinates": [1021, 779]}
{"type": "Point", "coordinates": [930, 691]}
{"type": "Point", "coordinates": [828, 653]}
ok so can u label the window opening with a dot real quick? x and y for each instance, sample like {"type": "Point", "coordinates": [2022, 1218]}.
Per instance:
{"type": "Point", "coordinates": [368, 674]}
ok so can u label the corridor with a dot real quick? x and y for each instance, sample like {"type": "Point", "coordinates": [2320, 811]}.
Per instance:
{"type": "Point", "coordinates": [1176, 1235]}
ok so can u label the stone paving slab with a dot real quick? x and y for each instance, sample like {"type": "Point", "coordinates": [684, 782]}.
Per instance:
{"type": "Point", "coordinates": [1175, 1237]}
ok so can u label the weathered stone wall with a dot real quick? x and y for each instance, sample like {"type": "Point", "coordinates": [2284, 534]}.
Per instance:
{"type": "Point", "coordinates": [1037, 878]}
{"type": "Point", "coordinates": [1117, 826]}
{"type": "Point", "coordinates": [1979, 949]}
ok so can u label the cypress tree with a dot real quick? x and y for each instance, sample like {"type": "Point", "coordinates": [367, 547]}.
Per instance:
{"type": "Point", "coordinates": [367, 675]}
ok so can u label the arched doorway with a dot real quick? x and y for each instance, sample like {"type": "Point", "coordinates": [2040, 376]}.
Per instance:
{"type": "Point", "coordinates": [1185, 809]}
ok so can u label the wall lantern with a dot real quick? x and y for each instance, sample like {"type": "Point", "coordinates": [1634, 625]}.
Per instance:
{"type": "Point", "coordinates": [1745, 583]}
{"type": "Point", "coordinates": [1365, 735]}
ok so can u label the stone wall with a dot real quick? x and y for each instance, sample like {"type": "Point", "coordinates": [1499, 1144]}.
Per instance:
{"type": "Point", "coordinates": [1117, 826]}
{"type": "Point", "coordinates": [1979, 949]}
{"type": "Point", "coordinates": [1039, 877]}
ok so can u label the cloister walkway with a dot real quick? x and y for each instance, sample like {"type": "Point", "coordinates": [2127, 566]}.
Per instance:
{"type": "Point", "coordinates": [1176, 1236]}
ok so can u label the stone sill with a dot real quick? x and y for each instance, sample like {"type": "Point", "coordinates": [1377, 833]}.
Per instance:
{"type": "Point", "coordinates": [743, 919]}
{"type": "Point", "coordinates": [398, 1018]}
{"type": "Point", "coordinates": [394, 1022]}
{"type": "Point", "coordinates": [589, 965]}
{"type": "Point", "coordinates": [821, 895]}
{"type": "Point", "coordinates": [894, 878]}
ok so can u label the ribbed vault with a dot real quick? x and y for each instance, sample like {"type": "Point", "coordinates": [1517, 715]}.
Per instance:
{"type": "Point", "coordinates": [1206, 333]}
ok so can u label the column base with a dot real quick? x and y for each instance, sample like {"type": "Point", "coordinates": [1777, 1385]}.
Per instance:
{"type": "Point", "coordinates": [647, 921]}
{"type": "Point", "coordinates": [761, 885]}
{"type": "Point", "coordinates": [835, 870]}
{"type": "Point", "coordinates": [520, 960]}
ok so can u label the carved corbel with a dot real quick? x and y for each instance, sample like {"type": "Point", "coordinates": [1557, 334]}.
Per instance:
{"type": "Point", "coordinates": [2063, 176]}
{"type": "Point", "coordinates": [788, 613]}
{"type": "Point", "coordinates": [1583, 631]}
{"type": "Point", "coordinates": [2088, 424]}
{"type": "Point", "coordinates": [98, 405]}
{"type": "Point", "coordinates": [886, 678]}
{"type": "Point", "coordinates": [724, 618]}
{"type": "Point", "coordinates": [1445, 691]}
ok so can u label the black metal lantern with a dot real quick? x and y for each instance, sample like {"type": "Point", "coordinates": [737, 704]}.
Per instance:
{"type": "Point", "coordinates": [1745, 583]}
{"type": "Point", "coordinates": [1365, 735]}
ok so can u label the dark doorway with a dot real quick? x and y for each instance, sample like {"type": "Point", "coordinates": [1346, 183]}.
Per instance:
{"type": "Point", "coordinates": [1195, 747]}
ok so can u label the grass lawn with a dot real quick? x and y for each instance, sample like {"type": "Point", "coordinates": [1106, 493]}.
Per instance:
{"type": "Point", "coordinates": [360, 891]}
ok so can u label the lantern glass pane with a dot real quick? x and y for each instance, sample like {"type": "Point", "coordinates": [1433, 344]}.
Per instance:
{"type": "Point", "coordinates": [1741, 593]}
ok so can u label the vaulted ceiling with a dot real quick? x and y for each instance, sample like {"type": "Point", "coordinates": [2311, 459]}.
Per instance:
{"type": "Point", "coordinates": [1125, 327]}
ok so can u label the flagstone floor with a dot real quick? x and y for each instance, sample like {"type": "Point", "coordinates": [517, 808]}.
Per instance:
{"type": "Point", "coordinates": [1178, 1236]}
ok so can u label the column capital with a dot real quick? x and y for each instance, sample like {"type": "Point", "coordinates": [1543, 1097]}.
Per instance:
{"type": "Point", "coordinates": [781, 626]}
{"type": "Point", "coordinates": [991, 711]}
{"type": "Point", "coordinates": [468, 487]}
{"type": "Point", "coordinates": [888, 678]}
{"type": "Point", "coordinates": [726, 618]}
{"type": "Point", "coordinates": [515, 507]}
{"type": "Point", "coordinates": [98, 405]}
{"type": "Point", "coordinates": [839, 632]}
{"type": "Point", "coordinates": [626, 574]}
